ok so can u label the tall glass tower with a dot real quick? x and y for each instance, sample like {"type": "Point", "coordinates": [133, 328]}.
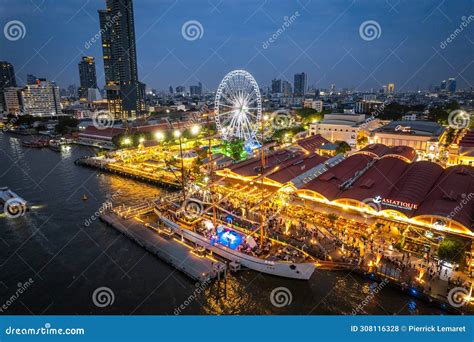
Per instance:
{"type": "Point", "coordinates": [125, 94]}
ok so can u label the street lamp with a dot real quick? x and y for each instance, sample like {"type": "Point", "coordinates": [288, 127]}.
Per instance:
{"type": "Point", "coordinates": [195, 129]}
{"type": "Point", "coordinates": [159, 136]}
{"type": "Point", "coordinates": [126, 141]}
{"type": "Point", "coordinates": [141, 140]}
{"type": "Point", "coordinates": [177, 134]}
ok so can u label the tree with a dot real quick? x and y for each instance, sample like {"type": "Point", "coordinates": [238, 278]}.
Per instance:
{"type": "Point", "coordinates": [342, 147]}
{"type": "Point", "coordinates": [362, 140]}
{"type": "Point", "coordinates": [309, 115]}
{"type": "Point", "coordinates": [282, 134]}
{"type": "Point", "coordinates": [333, 218]}
{"type": "Point", "coordinates": [451, 250]}
{"type": "Point", "coordinates": [65, 123]}
{"type": "Point", "coordinates": [234, 148]}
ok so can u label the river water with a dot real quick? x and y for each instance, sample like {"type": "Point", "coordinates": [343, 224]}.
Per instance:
{"type": "Point", "coordinates": [67, 259]}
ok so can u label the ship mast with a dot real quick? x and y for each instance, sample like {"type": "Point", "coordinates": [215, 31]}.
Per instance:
{"type": "Point", "coordinates": [262, 166]}
{"type": "Point", "coordinates": [211, 173]}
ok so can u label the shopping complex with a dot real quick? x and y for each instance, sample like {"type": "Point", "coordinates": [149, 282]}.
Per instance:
{"type": "Point", "coordinates": [385, 185]}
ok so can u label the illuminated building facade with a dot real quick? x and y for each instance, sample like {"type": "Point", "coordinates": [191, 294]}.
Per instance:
{"type": "Point", "coordinates": [41, 99]}
{"type": "Point", "coordinates": [87, 76]}
{"type": "Point", "coordinates": [125, 94]}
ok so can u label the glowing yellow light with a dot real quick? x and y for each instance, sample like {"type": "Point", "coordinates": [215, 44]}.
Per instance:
{"type": "Point", "coordinates": [126, 141]}
{"type": "Point", "coordinates": [177, 133]}
{"type": "Point", "coordinates": [159, 135]}
{"type": "Point", "coordinates": [195, 129]}
{"type": "Point", "coordinates": [141, 140]}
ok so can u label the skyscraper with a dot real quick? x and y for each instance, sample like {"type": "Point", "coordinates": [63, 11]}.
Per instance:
{"type": "Point", "coordinates": [7, 75]}
{"type": "Point", "coordinates": [196, 90]}
{"type": "Point", "coordinates": [276, 86]}
{"type": "Point", "coordinates": [451, 85]}
{"type": "Point", "coordinates": [125, 94]}
{"type": "Point", "coordinates": [390, 88]}
{"type": "Point", "coordinates": [286, 88]}
{"type": "Point", "coordinates": [87, 76]}
{"type": "Point", "coordinates": [300, 84]}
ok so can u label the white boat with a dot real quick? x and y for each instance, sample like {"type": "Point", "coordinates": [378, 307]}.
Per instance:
{"type": "Point", "coordinates": [280, 268]}
{"type": "Point", "coordinates": [16, 203]}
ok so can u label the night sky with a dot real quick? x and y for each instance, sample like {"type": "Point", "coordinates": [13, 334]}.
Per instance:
{"type": "Point", "coordinates": [323, 41]}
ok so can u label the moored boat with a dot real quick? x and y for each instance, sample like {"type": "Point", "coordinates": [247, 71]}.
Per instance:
{"type": "Point", "coordinates": [35, 143]}
{"type": "Point", "coordinates": [239, 247]}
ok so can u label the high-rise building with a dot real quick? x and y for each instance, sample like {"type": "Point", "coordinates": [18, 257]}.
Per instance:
{"type": "Point", "coordinates": [300, 84]}
{"type": "Point", "coordinates": [171, 90]}
{"type": "Point", "coordinates": [390, 88]}
{"type": "Point", "coordinates": [7, 75]}
{"type": "Point", "coordinates": [41, 99]}
{"type": "Point", "coordinates": [286, 88]}
{"type": "Point", "coordinates": [451, 85]}
{"type": "Point", "coordinates": [276, 86]}
{"type": "Point", "coordinates": [12, 100]}
{"type": "Point", "coordinates": [181, 90]}
{"type": "Point", "coordinates": [125, 94]}
{"type": "Point", "coordinates": [71, 91]}
{"type": "Point", "coordinates": [87, 76]}
{"type": "Point", "coordinates": [196, 90]}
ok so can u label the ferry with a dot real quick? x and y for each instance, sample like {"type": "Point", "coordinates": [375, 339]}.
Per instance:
{"type": "Point", "coordinates": [240, 247]}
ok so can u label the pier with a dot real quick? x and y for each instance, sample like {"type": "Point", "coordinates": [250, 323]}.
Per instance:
{"type": "Point", "coordinates": [136, 175]}
{"type": "Point", "coordinates": [169, 249]}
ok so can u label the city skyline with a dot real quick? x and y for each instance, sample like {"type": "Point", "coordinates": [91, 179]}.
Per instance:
{"type": "Point", "coordinates": [166, 58]}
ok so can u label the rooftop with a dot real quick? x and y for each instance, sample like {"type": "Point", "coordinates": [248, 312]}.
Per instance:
{"type": "Point", "coordinates": [419, 128]}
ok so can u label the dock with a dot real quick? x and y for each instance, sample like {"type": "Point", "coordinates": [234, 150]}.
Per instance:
{"type": "Point", "coordinates": [139, 176]}
{"type": "Point", "coordinates": [171, 250]}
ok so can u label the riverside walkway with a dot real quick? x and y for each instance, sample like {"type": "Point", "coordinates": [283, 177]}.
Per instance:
{"type": "Point", "coordinates": [170, 250]}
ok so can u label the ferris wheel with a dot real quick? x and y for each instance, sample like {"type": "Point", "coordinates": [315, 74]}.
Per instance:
{"type": "Point", "coordinates": [238, 107]}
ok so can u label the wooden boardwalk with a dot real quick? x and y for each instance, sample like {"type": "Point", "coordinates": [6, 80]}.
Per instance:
{"type": "Point", "coordinates": [172, 251]}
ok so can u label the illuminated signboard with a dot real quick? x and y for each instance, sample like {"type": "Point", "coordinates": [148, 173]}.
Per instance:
{"type": "Point", "coordinates": [395, 203]}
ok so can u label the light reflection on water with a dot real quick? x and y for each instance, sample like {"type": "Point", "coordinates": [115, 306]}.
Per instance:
{"type": "Point", "coordinates": [68, 259]}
